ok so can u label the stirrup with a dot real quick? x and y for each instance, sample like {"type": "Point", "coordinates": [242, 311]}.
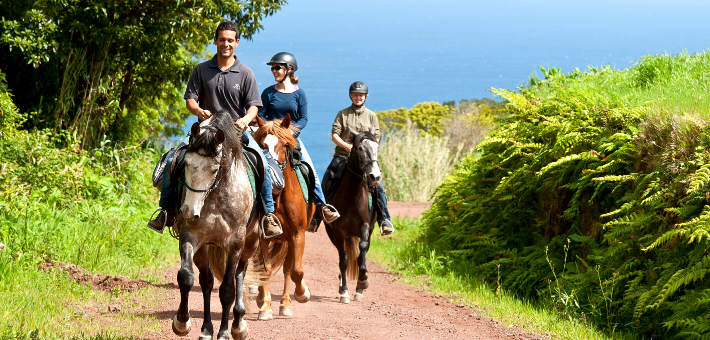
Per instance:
{"type": "Point", "coordinates": [164, 222]}
{"type": "Point", "coordinates": [263, 232]}
{"type": "Point", "coordinates": [336, 214]}
{"type": "Point", "coordinates": [382, 227]}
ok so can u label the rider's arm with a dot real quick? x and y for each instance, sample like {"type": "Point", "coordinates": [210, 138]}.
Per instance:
{"type": "Point", "coordinates": [341, 143]}
{"type": "Point", "coordinates": [196, 110]}
{"type": "Point", "coordinates": [243, 122]}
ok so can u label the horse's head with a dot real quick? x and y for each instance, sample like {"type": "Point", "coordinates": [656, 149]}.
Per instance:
{"type": "Point", "coordinates": [207, 161]}
{"type": "Point", "coordinates": [276, 136]}
{"type": "Point", "coordinates": [365, 149]}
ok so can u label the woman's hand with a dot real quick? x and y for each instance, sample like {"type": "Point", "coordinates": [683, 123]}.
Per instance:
{"type": "Point", "coordinates": [204, 114]}
{"type": "Point", "coordinates": [349, 147]}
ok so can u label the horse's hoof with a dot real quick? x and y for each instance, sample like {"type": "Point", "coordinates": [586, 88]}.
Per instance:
{"type": "Point", "coordinates": [205, 337]}
{"type": "Point", "coordinates": [285, 311]}
{"type": "Point", "coordinates": [359, 297]}
{"type": "Point", "coordinates": [253, 289]}
{"type": "Point", "coordinates": [305, 297]}
{"type": "Point", "coordinates": [241, 332]}
{"type": "Point", "coordinates": [181, 328]}
{"type": "Point", "coordinates": [363, 284]}
{"type": "Point", "coordinates": [345, 297]}
{"type": "Point", "coordinates": [266, 315]}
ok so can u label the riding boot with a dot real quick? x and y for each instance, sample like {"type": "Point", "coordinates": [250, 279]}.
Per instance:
{"type": "Point", "coordinates": [330, 214]}
{"type": "Point", "coordinates": [315, 223]}
{"type": "Point", "coordinates": [272, 226]}
{"type": "Point", "coordinates": [386, 227]}
{"type": "Point", "coordinates": [158, 223]}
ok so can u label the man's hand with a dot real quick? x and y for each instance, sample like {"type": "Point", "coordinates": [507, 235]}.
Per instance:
{"type": "Point", "coordinates": [349, 147]}
{"type": "Point", "coordinates": [203, 114]}
{"type": "Point", "coordinates": [241, 123]}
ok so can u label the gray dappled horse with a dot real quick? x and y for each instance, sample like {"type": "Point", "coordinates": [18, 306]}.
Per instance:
{"type": "Point", "coordinates": [218, 203]}
{"type": "Point", "coordinates": [350, 233]}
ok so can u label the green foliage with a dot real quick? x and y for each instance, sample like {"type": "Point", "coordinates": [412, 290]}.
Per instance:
{"type": "Point", "coordinates": [87, 208]}
{"type": "Point", "coordinates": [592, 196]}
{"type": "Point", "coordinates": [95, 68]}
{"type": "Point", "coordinates": [427, 117]}
{"type": "Point", "coordinates": [10, 116]}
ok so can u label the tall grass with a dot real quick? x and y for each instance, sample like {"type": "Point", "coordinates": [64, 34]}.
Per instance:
{"type": "Point", "coordinates": [413, 165]}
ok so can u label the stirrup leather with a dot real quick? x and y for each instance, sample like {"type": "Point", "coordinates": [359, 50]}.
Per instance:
{"type": "Point", "coordinates": [263, 231]}
{"type": "Point", "coordinates": [159, 210]}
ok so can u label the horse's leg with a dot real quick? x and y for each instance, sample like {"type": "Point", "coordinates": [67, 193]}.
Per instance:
{"type": "Point", "coordinates": [240, 330]}
{"type": "Point", "coordinates": [227, 293]}
{"type": "Point", "coordinates": [186, 279]}
{"type": "Point", "coordinates": [263, 300]}
{"type": "Point", "coordinates": [285, 308]}
{"type": "Point", "coordinates": [206, 283]}
{"type": "Point", "coordinates": [302, 294]}
{"type": "Point", "coordinates": [337, 240]}
{"type": "Point", "coordinates": [362, 282]}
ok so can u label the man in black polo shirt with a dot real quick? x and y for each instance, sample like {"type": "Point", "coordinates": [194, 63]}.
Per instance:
{"type": "Point", "coordinates": [224, 83]}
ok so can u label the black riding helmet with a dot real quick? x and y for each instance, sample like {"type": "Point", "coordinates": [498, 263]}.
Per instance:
{"type": "Point", "coordinates": [358, 87]}
{"type": "Point", "coordinates": [285, 58]}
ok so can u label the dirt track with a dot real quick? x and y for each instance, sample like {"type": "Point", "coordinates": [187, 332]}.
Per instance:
{"type": "Point", "coordinates": [391, 308]}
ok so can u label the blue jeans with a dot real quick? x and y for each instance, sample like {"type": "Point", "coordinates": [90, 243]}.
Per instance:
{"type": "Point", "coordinates": [318, 191]}
{"type": "Point", "coordinates": [382, 201]}
{"type": "Point", "coordinates": [266, 188]}
{"type": "Point", "coordinates": [166, 192]}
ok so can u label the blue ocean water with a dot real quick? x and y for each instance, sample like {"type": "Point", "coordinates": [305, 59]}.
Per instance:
{"type": "Point", "coordinates": [411, 51]}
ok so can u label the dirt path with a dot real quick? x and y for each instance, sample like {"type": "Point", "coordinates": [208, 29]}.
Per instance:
{"type": "Point", "coordinates": [391, 308]}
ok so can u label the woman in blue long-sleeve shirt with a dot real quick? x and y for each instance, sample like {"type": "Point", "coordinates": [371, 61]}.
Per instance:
{"type": "Point", "coordinates": [285, 97]}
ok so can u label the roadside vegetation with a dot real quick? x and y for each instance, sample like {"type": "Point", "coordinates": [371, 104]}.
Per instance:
{"type": "Point", "coordinates": [420, 265]}
{"type": "Point", "coordinates": [421, 144]}
{"type": "Point", "coordinates": [84, 207]}
{"type": "Point", "coordinates": [589, 201]}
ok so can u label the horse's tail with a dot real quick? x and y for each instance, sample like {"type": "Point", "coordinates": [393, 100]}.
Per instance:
{"type": "Point", "coordinates": [276, 256]}
{"type": "Point", "coordinates": [218, 261]}
{"type": "Point", "coordinates": [352, 249]}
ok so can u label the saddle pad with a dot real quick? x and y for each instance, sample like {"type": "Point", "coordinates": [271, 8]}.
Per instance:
{"type": "Point", "coordinates": [302, 183]}
{"type": "Point", "coordinates": [250, 172]}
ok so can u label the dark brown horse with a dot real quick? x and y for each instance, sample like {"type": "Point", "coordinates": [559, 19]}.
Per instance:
{"type": "Point", "coordinates": [350, 234]}
{"type": "Point", "coordinates": [294, 213]}
{"type": "Point", "coordinates": [216, 225]}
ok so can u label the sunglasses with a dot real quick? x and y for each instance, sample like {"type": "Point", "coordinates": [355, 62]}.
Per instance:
{"type": "Point", "coordinates": [277, 67]}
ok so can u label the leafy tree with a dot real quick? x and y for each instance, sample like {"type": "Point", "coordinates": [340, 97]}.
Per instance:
{"type": "Point", "coordinates": [116, 68]}
{"type": "Point", "coordinates": [426, 117]}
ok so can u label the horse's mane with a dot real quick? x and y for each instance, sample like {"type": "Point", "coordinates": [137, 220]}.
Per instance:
{"type": "Point", "coordinates": [205, 141]}
{"type": "Point", "coordinates": [273, 127]}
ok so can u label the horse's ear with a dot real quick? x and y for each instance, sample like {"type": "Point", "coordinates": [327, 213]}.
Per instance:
{"type": "Point", "coordinates": [286, 122]}
{"type": "Point", "coordinates": [219, 136]}
{"type": "Point", "coordinates": [353, 131]}
{"type": "Point", "coordinates": [260, 122]}
{"type": "Point", "coordinates": [195, 130]}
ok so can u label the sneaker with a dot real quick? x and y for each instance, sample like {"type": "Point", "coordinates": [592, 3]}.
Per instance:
{"type": "Point", "coordinates": [158, 223]}
{"type": "Point", "coordinates": [271, 226]}
{"type": "Point", "coordinates": [330, 214]}
{"type": "Point", "coordinates": [313, 226]}
{"type": "Point", "coordinates": [386, 227]}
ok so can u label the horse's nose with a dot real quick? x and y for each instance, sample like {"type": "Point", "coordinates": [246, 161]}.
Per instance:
{"type": "Point", "coordinates": [373, 179]}
{"type": "Point", "coordinates": [196, 216]}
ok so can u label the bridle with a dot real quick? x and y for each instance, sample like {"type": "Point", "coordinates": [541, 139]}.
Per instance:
{"type": "Point", "coordinates": [217, 178]}
{"type": "Point", "coordinates": [359, 172]}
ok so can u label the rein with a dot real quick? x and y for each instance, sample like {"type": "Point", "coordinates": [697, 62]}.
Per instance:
{"type": "Point", "coordinates": [217, 178]}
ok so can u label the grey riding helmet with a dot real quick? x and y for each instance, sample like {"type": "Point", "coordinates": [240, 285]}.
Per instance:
{"type": "Point", "coordinates": [284, 58]}
{"type": "Point", "coordinates": [358, 87]}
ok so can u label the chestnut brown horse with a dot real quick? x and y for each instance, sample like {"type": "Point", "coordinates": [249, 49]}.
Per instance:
{"type": "Point", "coordinates": [350, 234]}
{"type": "Point", "coordinates": [216, 226]}
{"type": "Point", "coordinates": [294, 213]}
